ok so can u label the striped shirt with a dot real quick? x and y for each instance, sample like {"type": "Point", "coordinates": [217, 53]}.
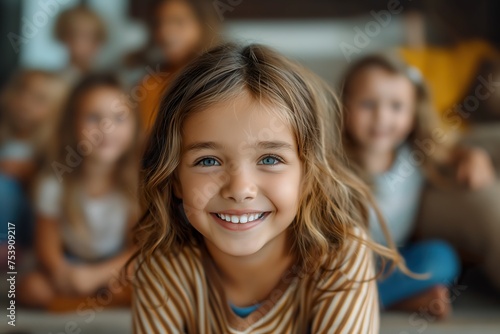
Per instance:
{"type": "Point", "coordinates": [191, 299]}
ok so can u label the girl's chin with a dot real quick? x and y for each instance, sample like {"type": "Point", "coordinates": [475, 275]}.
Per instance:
{"type": "Point", "coordinates": [237, 249]}
{"type": "Point", "coordinates": [382, 147]}
{"type": "Point", "coordinates": [107, 156]}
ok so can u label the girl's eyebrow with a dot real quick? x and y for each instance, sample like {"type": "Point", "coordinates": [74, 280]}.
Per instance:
{"type": "Point", "coordinates": [208, 145]}
{"type": "Point", "coordinates": [266, 145]}
{"type": "Point", "coordinates": [274, 145]}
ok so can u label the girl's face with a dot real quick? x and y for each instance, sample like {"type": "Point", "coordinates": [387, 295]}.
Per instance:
{"type": "Point", "coordinates": [239, 176]}
{"type": "Point", "coordinates": [178, 31]}
{"type": "Point", "coordinates": [105, 124]}
{"type": "Point", "coordinates": [83, 43]}
{"type": "Point", "coordinates": [31, 101]}
{"type": "Point", "coordinates": [380, 109]}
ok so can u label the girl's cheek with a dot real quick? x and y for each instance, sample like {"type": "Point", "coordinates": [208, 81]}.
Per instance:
{"type": "Point", "coordinates": [283, 190]}
{"type": "Point", "coordinates": [197, 190]}
{"type": "Point", "coordinates": [125, 134]}
{"type": "Point", "coordinates": [352, 124]}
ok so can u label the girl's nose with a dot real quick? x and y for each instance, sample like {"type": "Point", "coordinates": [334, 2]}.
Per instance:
{"type": "Point", "coordinates": [381, 115]}
{"type": "Point", "coordinates": [240, 187]}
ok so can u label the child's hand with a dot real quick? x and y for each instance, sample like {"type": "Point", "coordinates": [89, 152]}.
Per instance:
{"type": "Point", "coordinates": [82, 279]}
{"type": "Point", "coordinates": [475, 169]}
{"type": "Point", "coordinates": [60, 280]}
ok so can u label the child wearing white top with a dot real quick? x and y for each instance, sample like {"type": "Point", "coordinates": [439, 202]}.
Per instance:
{"type": "Point", "coordinates": [86, 204]}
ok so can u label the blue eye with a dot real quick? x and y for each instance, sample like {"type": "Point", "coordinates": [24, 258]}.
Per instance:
{"type": "Point", "coordinates": [208, 162]}
{"type": "Point", "coordinates": [269, 160]}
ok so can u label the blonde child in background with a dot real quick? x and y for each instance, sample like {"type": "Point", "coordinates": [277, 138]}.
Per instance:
{"type": "Point", "coordinates": [253, 222]}
{"type": "Point", "coordinates": [86, 202]}
{"type": "Point", "coordinates": [83, 32]}
{"type": "Point", "coordinates": [394, 140]}
{"type": "Point", "coordinates": [30, 105]}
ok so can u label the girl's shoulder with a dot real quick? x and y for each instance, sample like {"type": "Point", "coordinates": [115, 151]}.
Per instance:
{"type": "Point", "coordinates": [344, 300]}
{"type": "Point", "coordinates": [404, 176]}
{"type": "Point", "coordinates": [48, 195]}
{"type": "Point", "coordinates": [405, 158]}
{"type": "Point", "coordinates": [183, 265]}
{"type": "Point", "coordinates": [352, 264]}
{"type": "Point", "coordinates": [171, 278]}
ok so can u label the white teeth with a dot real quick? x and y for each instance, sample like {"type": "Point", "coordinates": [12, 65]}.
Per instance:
{"type": "Point", "coordinates": [243, 219]}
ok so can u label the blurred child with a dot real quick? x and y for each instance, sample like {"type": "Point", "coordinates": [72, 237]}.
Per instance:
{"type": "Point", "coordinates": [393, 139]}
{"type": "Point", "coordinates": [86, 205]}
{"type": "Point", "coordinates": [30, 105]}
{"type": "Point", "coordinates": [254, 223]}
{"type": "Point", "coordinates": [181, 29]}
{"type": "Point", "coordinates": [83, 33]}
{"type": "Point", "coordinates": [463, 74]}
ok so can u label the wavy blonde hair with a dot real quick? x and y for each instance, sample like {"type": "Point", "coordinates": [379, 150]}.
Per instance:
{"type": "Point", "coordinates": [334, 201]}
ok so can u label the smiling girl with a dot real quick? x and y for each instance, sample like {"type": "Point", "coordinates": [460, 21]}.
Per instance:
{"type": "Point", "coordinates": [252, 221]}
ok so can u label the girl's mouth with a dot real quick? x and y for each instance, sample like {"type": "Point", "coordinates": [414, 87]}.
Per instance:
{"type": "Point", "coordinates": [241, 219]}
{"type": "Point", "coordinates": [240, 222]}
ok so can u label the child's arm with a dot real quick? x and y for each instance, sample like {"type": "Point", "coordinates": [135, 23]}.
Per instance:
{"type": "Point", "coordinates": [354, 307]}
{"type": "Point", "coordinates": [474, 167]}
{"type": "Point", "coordinates": [49, 250]}
{"type": "Point", "coordinates": [85, 279]}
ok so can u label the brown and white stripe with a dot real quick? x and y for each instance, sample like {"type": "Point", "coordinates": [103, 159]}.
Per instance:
{"type": "Point", "coordinates": [191, 300]}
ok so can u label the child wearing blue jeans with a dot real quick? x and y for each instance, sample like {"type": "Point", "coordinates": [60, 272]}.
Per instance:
{"type": "Point", "coordinates": [394, 141]}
